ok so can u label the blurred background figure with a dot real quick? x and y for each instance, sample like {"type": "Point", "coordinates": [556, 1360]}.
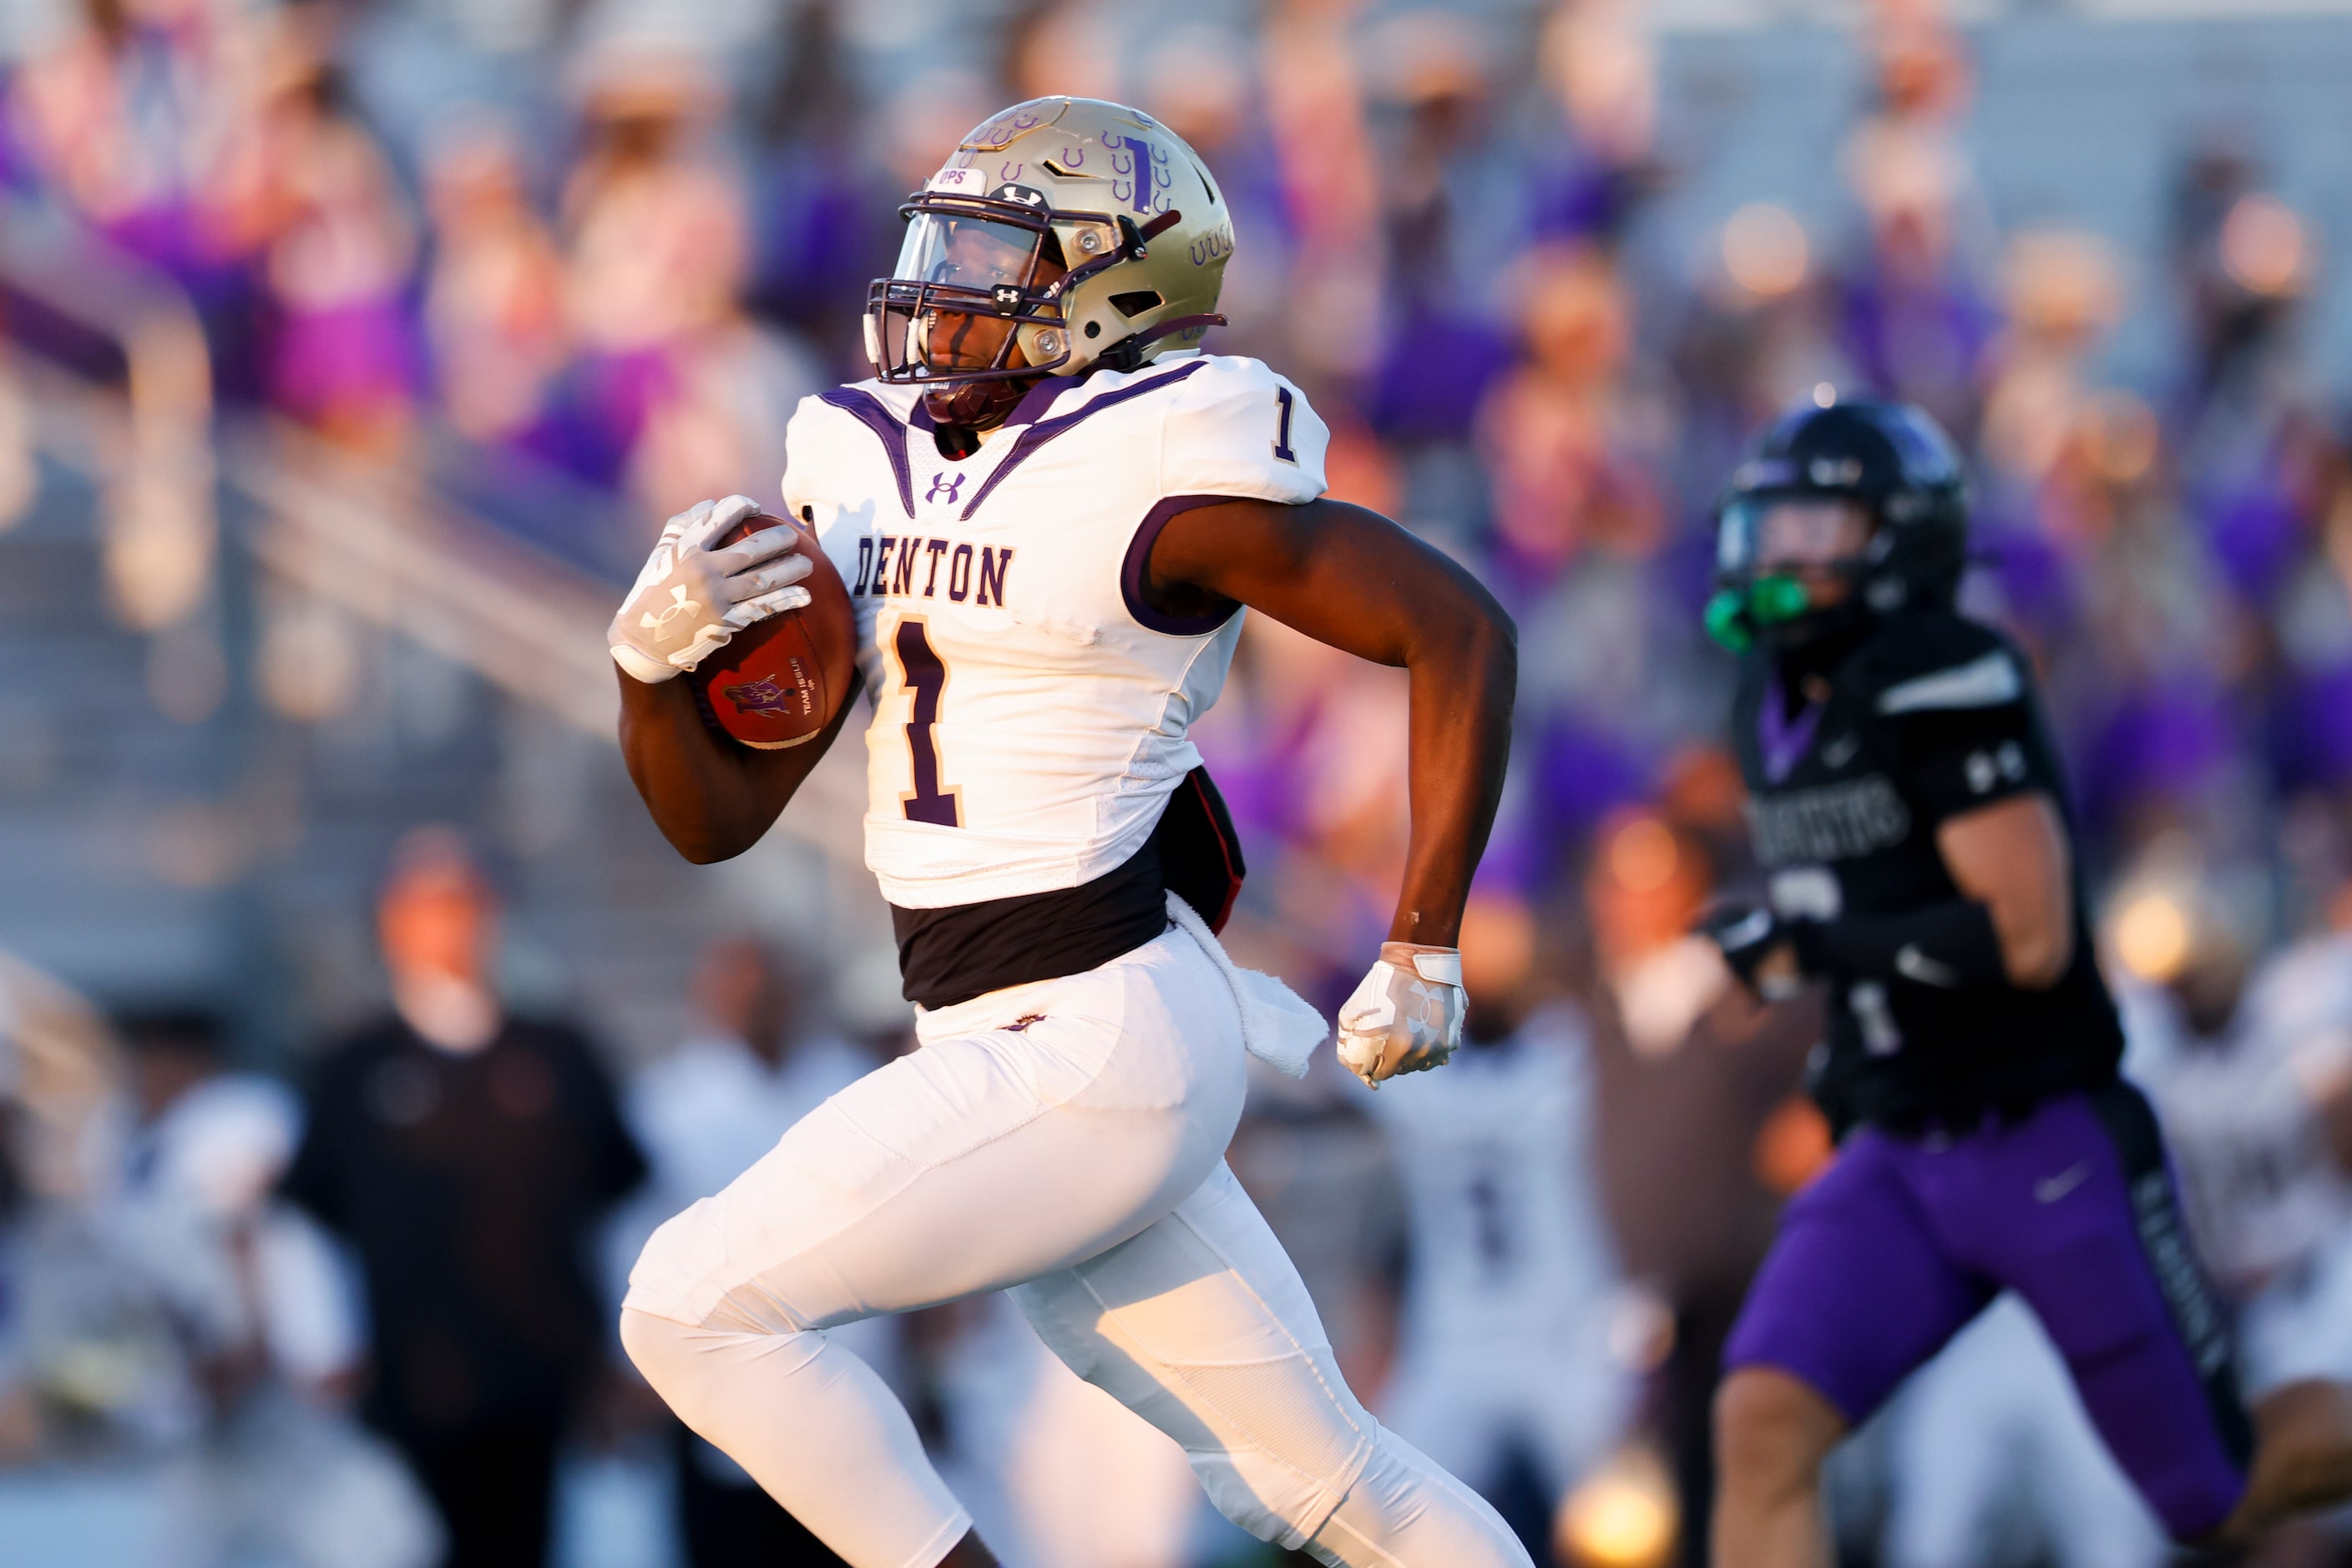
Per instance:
{"type": "Point", "coordinates": [1992, 1459]}
{"type": "Point", "coordinates": [1700, 1131]}
{"type": "Point", "coordinates": [2247, 1062]}
{"type": "Point", "coordinates": [1507, 1371]}
{"type": "Point", "coordinates": [704, 1114]}
{"type": "Point", "coordinates": [494, 306]}
{"type": "Point", "coordinates": [267, 1322]}
{"type": "Point", "coordinates": [467, 1157]}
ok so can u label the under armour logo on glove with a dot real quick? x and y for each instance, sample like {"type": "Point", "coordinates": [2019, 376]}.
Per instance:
{"type": "Point", "coordinates": [1406, 1014]}
{"type": "Point", "coordinates": [680, 606]}
{"type": "Point", "coordinates": [690, 598]}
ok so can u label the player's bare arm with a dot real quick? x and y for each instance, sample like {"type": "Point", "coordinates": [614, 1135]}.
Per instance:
{"type": "Point", "coordinates": [1350, 578]}
{"type": "Point", "coordinates": [2012, 857]}
{"type": "Point", "coordinates": [711, 798]}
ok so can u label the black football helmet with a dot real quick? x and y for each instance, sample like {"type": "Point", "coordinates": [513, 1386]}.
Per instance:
{"type": "Point", "coordinates": [1890, 459]}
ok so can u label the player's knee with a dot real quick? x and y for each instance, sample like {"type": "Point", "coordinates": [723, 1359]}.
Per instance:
{"type": "Point", "coordinates": [655, 1346]}
{"type": "Point", "coordinates": [1404, 1508]}
{"type": "Point", "coordinates": [1772, 1429]}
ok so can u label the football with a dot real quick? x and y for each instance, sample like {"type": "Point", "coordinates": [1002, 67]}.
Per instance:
{"type": "Point", "coordinates": [780, 682]}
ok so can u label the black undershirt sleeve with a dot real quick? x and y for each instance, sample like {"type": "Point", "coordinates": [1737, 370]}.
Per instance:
{"type": "Point", "coordinates": [1947, 946]}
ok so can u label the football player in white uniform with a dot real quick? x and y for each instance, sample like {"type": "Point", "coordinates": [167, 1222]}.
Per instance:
{"type": "Point", "coordinates": [1050, 512]}
{"type": "Point", "coordinates": [2251, 1078]}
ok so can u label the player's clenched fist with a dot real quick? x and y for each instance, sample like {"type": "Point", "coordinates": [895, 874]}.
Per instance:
{"type": "Point", "coordinates": [1406, 1014]}
{"type": "Point", "coordinates": [690, 598]}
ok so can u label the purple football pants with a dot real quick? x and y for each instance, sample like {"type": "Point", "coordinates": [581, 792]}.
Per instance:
{"type": "Point", "coordinates": [1903, 1240]}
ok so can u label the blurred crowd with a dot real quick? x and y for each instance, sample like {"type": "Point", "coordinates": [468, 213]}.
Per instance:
{"type": "Point", "coordinates": [616, 243]}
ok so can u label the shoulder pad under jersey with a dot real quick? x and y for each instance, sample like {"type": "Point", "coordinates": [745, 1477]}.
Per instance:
{"type": "Point", "coordinates": [1237, 428]}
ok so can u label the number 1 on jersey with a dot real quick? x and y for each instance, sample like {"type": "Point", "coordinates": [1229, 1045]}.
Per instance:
{"type": "Point", "coordinates": [924, 677]}
{"type": "Point", "coordinates": [1284, 406]}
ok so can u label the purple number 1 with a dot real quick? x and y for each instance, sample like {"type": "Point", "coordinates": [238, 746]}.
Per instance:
{"type": "Point", "coordinates": [1286, 403]}
{"type": "Point", "coordinates": [926, 677]}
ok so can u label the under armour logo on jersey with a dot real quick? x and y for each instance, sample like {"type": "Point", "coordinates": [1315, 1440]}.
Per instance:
{"type": "Point", "coordinates": [944, 488]}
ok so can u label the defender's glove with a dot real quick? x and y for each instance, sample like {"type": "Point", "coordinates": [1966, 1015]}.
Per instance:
{"type": "Point", "coordinates": [690, 598]}
{"type": "Point", "coordinates": [1406, 1015]}
{"type": "Point", "coordinates": [1747, 934]}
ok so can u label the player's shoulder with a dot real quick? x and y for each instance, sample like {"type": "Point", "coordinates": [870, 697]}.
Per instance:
{"type": "Point", "coordinates": [875, 403]}
{"type": "Point", "coordinates": [1937, 660]}
{"type": "Point", "coordinates": [1234, 425]}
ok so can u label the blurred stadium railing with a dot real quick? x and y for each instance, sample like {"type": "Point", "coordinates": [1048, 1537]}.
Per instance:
{"type": "Point", "coordinates": [194, 591]}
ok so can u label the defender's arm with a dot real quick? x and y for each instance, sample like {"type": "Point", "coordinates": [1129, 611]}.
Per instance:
{"type": "Point", "coordinates": [2013, 922]}
{"type": "Point", "coordinates": [1348, 577]}
{"type": "Point", "coordinates": [2012, 857]}
{"type": "Point", "coordinates": [712, 799]}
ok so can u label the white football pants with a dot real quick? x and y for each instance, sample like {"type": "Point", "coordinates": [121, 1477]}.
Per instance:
{"type": "Point", "coordinates": [1065, 1139]}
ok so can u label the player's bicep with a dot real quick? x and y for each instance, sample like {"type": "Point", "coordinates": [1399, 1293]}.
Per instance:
{"type": "Point", "coordinates": [1339, 573]}
{"type": "Point", "coordinates": [2012, 857]}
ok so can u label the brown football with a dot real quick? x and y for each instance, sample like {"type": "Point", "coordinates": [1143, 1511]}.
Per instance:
{"type": "Point", "coordinates": [780, 681]}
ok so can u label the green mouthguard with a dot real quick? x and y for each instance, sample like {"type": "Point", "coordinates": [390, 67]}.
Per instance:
{"type": "Point", "coordinates": [1733, 615]}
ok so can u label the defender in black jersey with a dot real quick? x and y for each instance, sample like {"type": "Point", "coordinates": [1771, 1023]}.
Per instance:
{"type": "Point", "coordinates": [1910, 812]}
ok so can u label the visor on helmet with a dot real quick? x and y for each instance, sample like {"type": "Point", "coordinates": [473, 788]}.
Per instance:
{"type": "Point", "coordinates": [1790, 535]}
{"type": "Point", "coordinates": [1780, 558]}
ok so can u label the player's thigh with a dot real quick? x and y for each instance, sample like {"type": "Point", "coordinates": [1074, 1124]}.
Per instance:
{"type": "Point", "coordinates": [2095, 1244]}
{"type": "Point", "coordinates": [971, 1163]}
{"type": "Point", "coordinates": [1856, 1293]}
{"type": "Point", "coordinates": [1201, 1325]}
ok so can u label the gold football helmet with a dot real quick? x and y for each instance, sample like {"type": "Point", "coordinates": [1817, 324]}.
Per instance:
{"type": "Point", "coordinates": [1063, 234]}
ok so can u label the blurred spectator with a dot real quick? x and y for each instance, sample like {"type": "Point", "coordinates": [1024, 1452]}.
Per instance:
{"type": "Point", "coordinates": [466, 1157]}
{"type": "Point", "coordinates": [302, 182]}
{"type": "Point", "coordinates": [494, 301]}
{"type": "Point", "coordinates": [1506, 1367]}
{"type": "Point", "coordinates": [1565, 473]}
{"type": "Point", "coordinates": [1913, 317]}
{"type": "Point", "coordinates": [266, 1320]}
{"type": "Point", "coordinates": [704, 1114]}
{"type": "Point", "coordinates": [1701, 1132]}
{"type": "Point", "coordinates": [75, 1351]}
{"type": "Point", "coordinates": [678, 395]}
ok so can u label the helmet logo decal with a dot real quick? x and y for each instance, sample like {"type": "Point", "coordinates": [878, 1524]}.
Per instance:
{"type": "Point", "coordinates": [1073, 159]}
{"type": "Point", "coordinates": [1009, 192]}
{"type": "Point", "coordinates": [1218, 241]}
{"type": "Point", "coordinates": [1140, 175]}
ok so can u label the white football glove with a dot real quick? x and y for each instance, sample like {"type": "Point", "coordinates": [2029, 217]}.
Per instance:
{"type": "Point", "coordinates": [690, 598]}
{"type": "Point", "coordinates": [1406, 1014]}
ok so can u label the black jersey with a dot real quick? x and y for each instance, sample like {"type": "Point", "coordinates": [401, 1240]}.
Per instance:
{"type": "Point", "coordinates": [1931, 717]}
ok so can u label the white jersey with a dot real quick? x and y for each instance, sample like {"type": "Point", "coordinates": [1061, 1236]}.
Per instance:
{"type": "Point", "coordinates": [1499, 1173]}
{"type": "Point", "coordinates": [1030, 710]}
{"type": "Point", "coordinates": [2241, 1114]}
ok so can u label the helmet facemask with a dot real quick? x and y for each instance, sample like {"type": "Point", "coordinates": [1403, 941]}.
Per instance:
{"type": "Point", "coordinates": [1793, 568]}
{"type": "Point", "coordinates": [975, 309]}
